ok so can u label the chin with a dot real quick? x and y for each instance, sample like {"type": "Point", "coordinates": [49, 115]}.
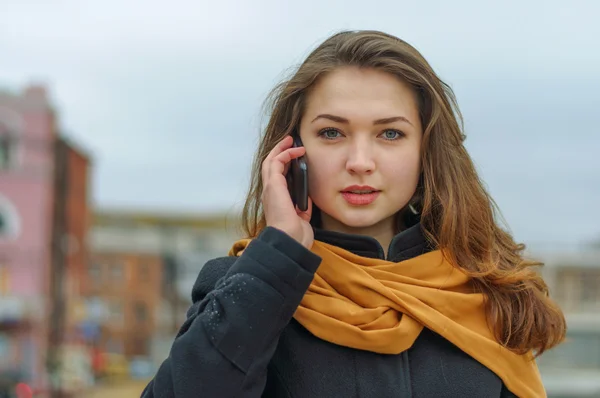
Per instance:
{"type": "Point", "coordinates": [354, 217]}
{"type": "Point", "coordinates": [359, 221]}
{"type": "Point", "coordinates": [358, 217]}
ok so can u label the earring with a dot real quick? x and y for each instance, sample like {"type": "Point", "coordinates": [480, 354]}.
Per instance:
{"type": "Point", "coordinates": [412, 208]}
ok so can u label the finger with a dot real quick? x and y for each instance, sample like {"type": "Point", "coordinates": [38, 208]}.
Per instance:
{"type": "Point", "coordinates": [281, 146]}
{"type": "Point", "coordinates": [279, 163]}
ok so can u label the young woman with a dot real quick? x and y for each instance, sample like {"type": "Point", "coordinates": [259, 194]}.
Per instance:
{"type": "Point", "coordinates": [396, 282]}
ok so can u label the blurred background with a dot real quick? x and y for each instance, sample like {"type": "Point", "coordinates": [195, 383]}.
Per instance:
{"type": "Point", "coordinates": [127, 131]}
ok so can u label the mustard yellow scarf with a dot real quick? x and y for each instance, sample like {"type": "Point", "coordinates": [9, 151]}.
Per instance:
{"type": "Point", "coordinates": [382, 306]}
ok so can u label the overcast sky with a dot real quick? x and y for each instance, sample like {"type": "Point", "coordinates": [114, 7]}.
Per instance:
{"type": "Point", "coordinates": [167, 95]}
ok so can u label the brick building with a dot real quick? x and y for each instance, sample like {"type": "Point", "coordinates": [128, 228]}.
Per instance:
{"type": "Point", "coordinates": [140, 274]}
{"type": "Point", "coordinates": [74, 241]}
{"type": "Point", "coordinates": [126, 284]}
{"type": "Point", "coordinates": [43, 202]}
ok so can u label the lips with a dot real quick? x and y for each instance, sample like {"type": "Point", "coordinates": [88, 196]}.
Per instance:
{"type": "Point", "coordinates": [360, 189]}
{"type": "Point", "coordinates": [360, 195]}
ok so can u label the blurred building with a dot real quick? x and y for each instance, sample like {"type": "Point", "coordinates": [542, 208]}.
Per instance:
{"type": "Point", "coordinates": [140, 275]}
{"type": "Point", "coordinates": [573, 368]}
{"type": "Point", "coordinates": [43, 207]}
{"type": "Point", "coordinates": [124, 287]}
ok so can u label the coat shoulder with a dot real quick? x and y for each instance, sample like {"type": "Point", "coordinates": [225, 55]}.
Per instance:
{"type": "Point", "coordinates": [210, 274]}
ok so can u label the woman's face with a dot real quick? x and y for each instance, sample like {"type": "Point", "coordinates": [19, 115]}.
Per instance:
{"type": "Point", "coordinates": [362, 134]}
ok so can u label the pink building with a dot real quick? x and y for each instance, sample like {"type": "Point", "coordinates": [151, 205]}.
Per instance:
{"type": "Point", "coordinates": [27, 142]}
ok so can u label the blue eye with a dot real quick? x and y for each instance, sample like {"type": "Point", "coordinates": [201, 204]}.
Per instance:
{"type": "Point", "coordinates": [329, 134]}
{"type": "Point", "coordinates": [392, 134]}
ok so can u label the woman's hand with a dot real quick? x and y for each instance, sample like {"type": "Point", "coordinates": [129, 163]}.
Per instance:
{"type": "Point", "coordinates": [279, 209]}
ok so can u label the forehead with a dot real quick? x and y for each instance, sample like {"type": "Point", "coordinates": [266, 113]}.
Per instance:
{"type": "Point", "coordinates": [354, 90]}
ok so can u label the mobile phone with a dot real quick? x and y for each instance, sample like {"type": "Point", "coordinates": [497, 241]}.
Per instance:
{"type": "Point", "coordinates": [297, 178]}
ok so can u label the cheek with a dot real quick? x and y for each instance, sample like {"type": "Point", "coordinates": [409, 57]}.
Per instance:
{"type": "Point", "coordinates": [321, 174]}
{"type": "Point", "coordinates": [403, 171]}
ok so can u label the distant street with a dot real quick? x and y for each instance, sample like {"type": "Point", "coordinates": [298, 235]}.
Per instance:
{"type": "Point", "coordinates": [130, 389]}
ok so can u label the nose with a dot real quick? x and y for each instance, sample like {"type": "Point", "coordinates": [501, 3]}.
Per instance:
{"type": "Point", "coordinates": [360, 159]}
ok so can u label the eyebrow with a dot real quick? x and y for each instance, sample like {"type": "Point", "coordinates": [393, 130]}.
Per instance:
{"type": "Point", "coordinates": [340, 119]}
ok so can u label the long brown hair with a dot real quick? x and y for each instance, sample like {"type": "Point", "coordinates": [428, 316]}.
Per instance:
{"type": "Point", "coordinates": [457, 214]}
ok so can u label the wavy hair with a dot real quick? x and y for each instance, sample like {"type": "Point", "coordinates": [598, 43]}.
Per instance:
{"type": "Point", "coordinates": [457, 213]}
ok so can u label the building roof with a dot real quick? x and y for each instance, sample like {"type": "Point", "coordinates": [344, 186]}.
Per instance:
{"type": "Point", "coordinates": [583, 258]}
{"type": "Point", "coordinates": [33, 96]}
{"type": "Point", "coordinates": [164, 218]}
{"type": "Point", "coordinates": [77, 147]}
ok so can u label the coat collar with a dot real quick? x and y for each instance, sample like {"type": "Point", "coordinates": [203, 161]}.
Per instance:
{"type": "Point", "coordinates": [405, 245]}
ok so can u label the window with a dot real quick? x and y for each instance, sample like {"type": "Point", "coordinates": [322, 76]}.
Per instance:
{"type": "Point", "coordinates": [9, 219]}
{"type": "Point", "coordinates": [116, 313]}
{"type": "Point", "coordinates": [6, 152]}
{"type": "Point", "coordinates": [116, 272]}
{"type": "Point", "coordinates": [144, 272]}
{"type": "Point", "coordinates": [3, 224]}
{"type": "Point", "coordinates": [578, 290]}
{"type": "Point", "coordinates": [139, 345]}
{"type": "Point", "coordinates": [4, 280]}
{"type": "Point", "coordinates": [5, 345]}
{"type": "Point", "coordinates": [141, 312]}
{"type": "Point", "coordinates": [590, 289]}
{"type": "Point", "coordinates": [95, 273]}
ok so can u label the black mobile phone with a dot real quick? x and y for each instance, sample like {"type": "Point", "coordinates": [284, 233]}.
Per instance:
{"type": "Point", "coordinates": [297, 178]}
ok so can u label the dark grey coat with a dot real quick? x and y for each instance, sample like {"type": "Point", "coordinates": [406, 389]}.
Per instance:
{"type": "Point", "coordinates": [240, 340]}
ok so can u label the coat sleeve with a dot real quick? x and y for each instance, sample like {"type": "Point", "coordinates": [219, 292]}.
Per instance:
{"type": "Point", "coordinates": [232, 328]}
